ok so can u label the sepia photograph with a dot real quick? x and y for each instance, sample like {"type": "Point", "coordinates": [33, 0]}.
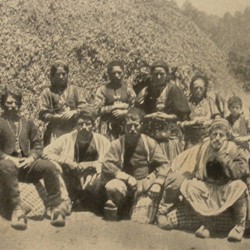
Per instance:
{"type": "Point", "coordinates": [125, 124]}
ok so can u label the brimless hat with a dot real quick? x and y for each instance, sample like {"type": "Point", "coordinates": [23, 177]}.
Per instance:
{"type": "Point", "coordinates": [234, 100]}
{"type": "Point", "coordinates": [160, 64]}
{"type": "Point", "coordinates": [220, 123]}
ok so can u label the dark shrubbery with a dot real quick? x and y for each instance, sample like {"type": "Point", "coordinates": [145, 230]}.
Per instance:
{"type": "Point", "coordinates": [89, 33]}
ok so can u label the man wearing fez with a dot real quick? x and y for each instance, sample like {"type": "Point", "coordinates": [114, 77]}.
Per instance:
{"type": "Point", "coordinates": [210, 178]}
{"type": "Point", "coordinates": [133, 167]}
{"type": "Point", "coordinates": [60, 103]}
{"type": "Point", "coordinates": [80, 154]}
{"type": "Point", "coordinates": [20, 152]}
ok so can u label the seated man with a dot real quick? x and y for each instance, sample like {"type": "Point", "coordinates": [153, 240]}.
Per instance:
{"type": "Point", "coordinates": [80, 154]}
{"type": "Point", "coordinates": [134, 167]}
{"type": "Point", "coordinates": [209, 177]}
{"type": "Point", "coordinates": [20, 150]}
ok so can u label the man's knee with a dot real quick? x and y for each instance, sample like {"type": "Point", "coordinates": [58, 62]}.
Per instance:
{"type": "Point", "coordinates": [7, 167]}
{"type": "Point", "coordinates": [46, 166]}
{"type": "Point", "coordinates": [116, 190]}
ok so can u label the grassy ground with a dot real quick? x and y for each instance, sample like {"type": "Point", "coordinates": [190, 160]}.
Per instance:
{"type": "Point", "coordinates": [85, 230]}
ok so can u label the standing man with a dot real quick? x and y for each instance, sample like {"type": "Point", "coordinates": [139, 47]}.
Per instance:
{"type": "Point", "coordinates": [164, 103]}
{"type": "Point", "coordinates": [60, 103]}
{"type": "Point", "coordinates": [134, 167]}
{"type": "Point", "coordinates": [20, 150]}
{"type": "Point", "coordinates": [80, 154]}
{"type": "Point", "coordinates": [113, 101]}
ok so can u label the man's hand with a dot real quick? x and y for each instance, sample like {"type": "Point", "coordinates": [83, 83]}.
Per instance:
{"type": "Point", "coordinates": [154, 191]}
{"type": "Point", "coordinates": [199, 120]}
{"type": "Point", "coordinates": [26, 162]}
{"type": "Point", "coordinates": [132, 183]}
{"type": "Point", "coordinates": [71, 164]}
{"type": "Point", "coordinates": [15, 160]}
{"type": "Point", "coordinates": [174, 180]}
{"type": "Point", "coordinates": [164, 116]}
{"type": "Point", "coordinates": [120, 105]}
{"type": "Point", "coordinates": [68, 114]}
{"type": "Point", "coordinates": [119, 113]}
{"type": "Point", "coordinates": [86, 169]}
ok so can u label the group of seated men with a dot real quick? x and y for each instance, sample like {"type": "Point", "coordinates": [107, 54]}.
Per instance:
{"type": "Point", "coordinates": [125, 153]}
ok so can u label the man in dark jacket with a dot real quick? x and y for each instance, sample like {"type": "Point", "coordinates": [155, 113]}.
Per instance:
{"type": "Point", "coordinates": [134, 165]}
{"type": "Point", "coordinates": [20, 150]}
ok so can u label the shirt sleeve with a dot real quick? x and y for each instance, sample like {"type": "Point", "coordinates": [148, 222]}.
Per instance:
{"type": "Point", "coordinates": [213, 108]}
{"type": "Point", "coordinates": [36, 145]}
{"type": "Point", "coordinates": [112, 162]}
{"type": "Point", "coordinates": [176, 102]}
{"type": "Point", "coordinates": [159, 160]}
{"type": "Point", "coordinates": [2, 154]}
{"type": "Point", "coordinates": [132, 96]}
{"type": "Point", "coordinates": [45, 110]}
{"type": "Point", "coordinates": [53, 151]}
{"type": "Point", "coordinates": [234, 162]}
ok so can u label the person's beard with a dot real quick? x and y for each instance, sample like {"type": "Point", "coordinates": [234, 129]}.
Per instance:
{"type": "Point", "coordinates": [60, 85]}
{"type": "Point", "coordinates": [131, 138]}
{"type": "Point", "coordinates": [11, 111]}
{"type": "Point", "coordinates": [84, 137]}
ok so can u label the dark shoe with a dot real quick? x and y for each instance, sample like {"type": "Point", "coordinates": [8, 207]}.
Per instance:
{"type": "Point", "coordinates": [110, 211]}
{"type": "Point", "coordinates": [236, 233]}
{"type": "Point", "coordinates": [202, 232]}
{"type": "Point", "coordinates": [57, 218]}
{"type": "Point", "coordinates": [19, 219]}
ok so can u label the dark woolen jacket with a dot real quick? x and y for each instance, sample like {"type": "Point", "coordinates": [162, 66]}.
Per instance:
{"type": "Point", "coordinates": [29, 141]}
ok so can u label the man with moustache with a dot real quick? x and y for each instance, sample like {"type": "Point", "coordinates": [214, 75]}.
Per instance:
{"type": "Point", "coordinates": [80, 154]}
{"type": "Point", "coordinates": [20, 150]}
{"type": "Point", "coordinates": [210, 177]}
{"type": "Point", "coordinates": [60, 103]}
{"type": "Point", "coordinates": [134, 167]}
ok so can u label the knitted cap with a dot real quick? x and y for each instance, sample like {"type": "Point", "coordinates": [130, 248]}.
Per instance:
{"type": "Point", "coordinates": [220, 123]}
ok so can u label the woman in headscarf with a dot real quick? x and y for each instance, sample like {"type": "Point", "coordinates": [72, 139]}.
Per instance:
{"type": "Point", "coordinates": [203, 110]}
{"type": "Point", "coordinates": [113, 101]}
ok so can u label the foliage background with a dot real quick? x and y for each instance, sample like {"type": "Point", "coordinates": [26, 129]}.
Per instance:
{"type": "Point", "coordinates": [231, 33]}
{"type": "Point", "coordinates": [90, 33]}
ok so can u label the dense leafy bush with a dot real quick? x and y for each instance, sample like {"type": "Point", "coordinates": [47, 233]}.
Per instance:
{"type": "Point", "coordinates": [89, 33]}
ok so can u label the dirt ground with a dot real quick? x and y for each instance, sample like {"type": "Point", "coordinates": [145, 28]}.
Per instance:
{"type": "Point", "coordinates": [85, 230]}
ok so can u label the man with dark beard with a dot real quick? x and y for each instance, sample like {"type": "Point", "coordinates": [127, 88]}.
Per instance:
{"type": "Point", "coordinates": [60, 103]}
{"type": "Point", "coordinates": [80, 154]}
{"type": "Point", "coordinates": [134, 167]}
{"type": "Point", "coordinates": [20, 150]}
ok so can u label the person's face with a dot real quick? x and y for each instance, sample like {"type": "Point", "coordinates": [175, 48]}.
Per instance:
{"type": "Point", "coordinates": [116, 74]}
{"type": "Point", "coordinates": [61, 77]}
{"type": "Point", "coordinates": [11, 105]}
{"type": "Point", "coordinates": [133, 127]}
{"type": "Point", "coordinates": [217, 138]}
{"type": "Point", "coordinates": [198, 89]}
{"type": "Point", "coordinates": [84, 125]}
{"type": "Point", "coordinates": [159, 76]}
{"type": "Point", "coordinates": [235, 109]}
